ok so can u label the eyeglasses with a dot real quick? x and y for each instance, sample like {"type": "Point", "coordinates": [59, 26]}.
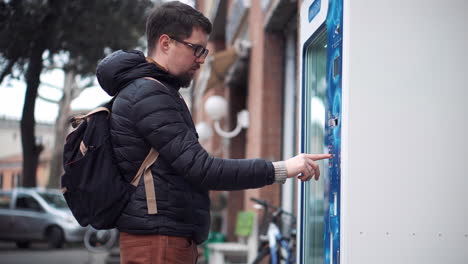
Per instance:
{"type": "Point", "coordinates": [199, 50]}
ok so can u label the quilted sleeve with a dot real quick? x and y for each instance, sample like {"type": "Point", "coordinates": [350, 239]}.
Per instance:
{"type": "Point", "coordinates": [158, 117]}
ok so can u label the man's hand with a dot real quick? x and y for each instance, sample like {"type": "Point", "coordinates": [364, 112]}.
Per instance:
{"type": "Point", "coordinates": [305, 165]}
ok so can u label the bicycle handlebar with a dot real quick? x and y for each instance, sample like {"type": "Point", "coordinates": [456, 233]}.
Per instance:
{"type": "Point", "coordinates": [262, 202]}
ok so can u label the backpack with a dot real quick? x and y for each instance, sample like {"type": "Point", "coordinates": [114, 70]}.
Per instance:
{"type": "Point", "coordinates": [95, 191]}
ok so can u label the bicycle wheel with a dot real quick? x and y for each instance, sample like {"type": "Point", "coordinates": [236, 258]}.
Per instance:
{"type": "Point", "coordinates": [100, 240]}
{"type": "Point", "coordinates": [261, 255]}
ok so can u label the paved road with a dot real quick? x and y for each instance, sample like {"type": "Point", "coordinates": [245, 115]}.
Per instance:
{"type": "Point", "coordinates": [40, 254]}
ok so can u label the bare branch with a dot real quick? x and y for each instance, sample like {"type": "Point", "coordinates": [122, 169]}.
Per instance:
{"type": "Point", "coordinates": [77, 90]}
{"type": "Point", "coordinates": [52, 86]}
{"type": "Point", "coordinates": [53, 67]}
{"type": "Point", "coordinates": [7, 69]}
{"type": "Point", "coordinates": [85, 83]}
{"type": "Point", "coordinates": [47, 99]}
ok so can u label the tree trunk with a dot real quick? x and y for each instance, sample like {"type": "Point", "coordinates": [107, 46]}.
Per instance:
{"type": "Point", "coordinates": [31, 148]}
{"type": "Point", "coordinates": [61, 130]}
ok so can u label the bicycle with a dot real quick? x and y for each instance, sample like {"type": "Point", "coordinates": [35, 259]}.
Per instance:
{"type": "Point", "coordinates": [279, 246]}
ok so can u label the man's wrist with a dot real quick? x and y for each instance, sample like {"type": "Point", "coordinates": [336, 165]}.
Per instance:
{"type": "Point", "coordinates": [281, 173]}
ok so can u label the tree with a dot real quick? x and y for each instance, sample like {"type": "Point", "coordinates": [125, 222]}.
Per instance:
{"type": "Point", "coordinates": [71, 90]}
{"type": "Point", "coordinates": [33, 32]}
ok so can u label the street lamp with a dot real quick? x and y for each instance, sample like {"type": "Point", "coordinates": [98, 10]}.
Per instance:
{"type": "Point", "coordinates": [216, 108]}
{"type": "Point", "coordinates": [204, 131]}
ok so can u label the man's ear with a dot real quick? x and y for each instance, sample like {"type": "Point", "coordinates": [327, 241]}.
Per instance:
{"type": "Point", "coordinates": [163, 43]}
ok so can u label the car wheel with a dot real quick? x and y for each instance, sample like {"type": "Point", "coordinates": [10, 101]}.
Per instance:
{"type": "Point", "coordinates": [23, 244]}
{"type": "Point", "coordinates": [54, 237]}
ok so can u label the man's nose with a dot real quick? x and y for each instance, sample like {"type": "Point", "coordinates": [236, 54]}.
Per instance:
{"type": "Point", "coordinates": [200, 60]}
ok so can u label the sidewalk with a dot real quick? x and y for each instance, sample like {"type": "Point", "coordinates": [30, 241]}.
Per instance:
{"type": "Point", "coordinates": [41, 254]}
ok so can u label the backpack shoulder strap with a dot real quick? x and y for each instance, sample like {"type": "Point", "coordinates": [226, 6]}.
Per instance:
{"type": "Point", "coordinates": [153, 79]}
{"type": "Point", "coordinates": [145, 171]}
{"type": "Point", "coordinates": [77, 120]}
{"type": "Point", "coordinates": [97, 110]}
{"type": "Point", "coordinates": [92, 112]}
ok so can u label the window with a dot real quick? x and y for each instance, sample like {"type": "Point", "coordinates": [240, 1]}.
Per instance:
{"type": "Point", "coordinates": [315, 196]}
{"type": "Point", "coordinates": [289, 114]}
{"type": "Point", "coordinates": [5, 199]}
{"type": "Point", "coordinates": [55, 200]}
{"type": "Point", "coordinates": [16, 179]}
{"type": "Point", "coordinates": [26, 202]}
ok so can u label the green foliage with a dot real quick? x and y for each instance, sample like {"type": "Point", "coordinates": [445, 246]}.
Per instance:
{"type": "Point", "coordinates": [83, 30]}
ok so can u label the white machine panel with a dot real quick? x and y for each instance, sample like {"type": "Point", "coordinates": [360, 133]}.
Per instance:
{"type": "Point", "coordinates": [399, 183]}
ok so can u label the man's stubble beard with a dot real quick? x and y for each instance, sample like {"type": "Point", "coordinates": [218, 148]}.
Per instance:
{"type": "Point", "coordinates": [185, 80]}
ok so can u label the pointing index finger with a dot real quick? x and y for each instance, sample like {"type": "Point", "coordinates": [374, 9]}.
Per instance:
{"type": "Point", "coordinates": [319, 156]}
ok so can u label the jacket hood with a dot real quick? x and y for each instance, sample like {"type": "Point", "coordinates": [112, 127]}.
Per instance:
{"type": "Point", "coordinates": [120, 68]}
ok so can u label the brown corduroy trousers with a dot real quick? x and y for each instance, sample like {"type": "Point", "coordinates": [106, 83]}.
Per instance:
{"type": "Point", "coordinates": [156, 249]}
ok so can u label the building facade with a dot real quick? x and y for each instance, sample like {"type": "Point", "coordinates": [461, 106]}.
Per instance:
{"type": "Point", "coordinates": [11, 159]}
{"type": "Point", "coordinates": [253, 65]}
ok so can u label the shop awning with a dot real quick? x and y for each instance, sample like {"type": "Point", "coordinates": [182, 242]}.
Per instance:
{"type": "Point", "coordinates": [220, 65]}
{"type": "Point", "coordinates": [227, 67]}
{"type": "Point", "coordinates": [214, 70]}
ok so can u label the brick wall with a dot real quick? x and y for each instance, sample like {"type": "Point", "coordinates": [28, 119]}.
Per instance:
{"type": "Point", "coordinates": [264, 100]}
{"type": "Point", "coordinates": [262, 96]}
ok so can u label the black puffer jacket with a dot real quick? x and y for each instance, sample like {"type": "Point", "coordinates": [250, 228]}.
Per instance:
{"type": "Point", "coordinates": [146, 114]}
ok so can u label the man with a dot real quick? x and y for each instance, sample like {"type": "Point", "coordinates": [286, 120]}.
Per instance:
{"type": "Point", "coordinates": [147, 113]}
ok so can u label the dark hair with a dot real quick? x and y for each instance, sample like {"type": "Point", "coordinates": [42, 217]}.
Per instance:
{"type": "Point", "coordinates": [174, 19]}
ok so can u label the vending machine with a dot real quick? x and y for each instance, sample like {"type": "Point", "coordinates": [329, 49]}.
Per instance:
{"type": "Point", "coordinates": [384, 88]}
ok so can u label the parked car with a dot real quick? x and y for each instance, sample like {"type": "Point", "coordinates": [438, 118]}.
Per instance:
{"type": "Point", "coordinates": [32, 214]}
